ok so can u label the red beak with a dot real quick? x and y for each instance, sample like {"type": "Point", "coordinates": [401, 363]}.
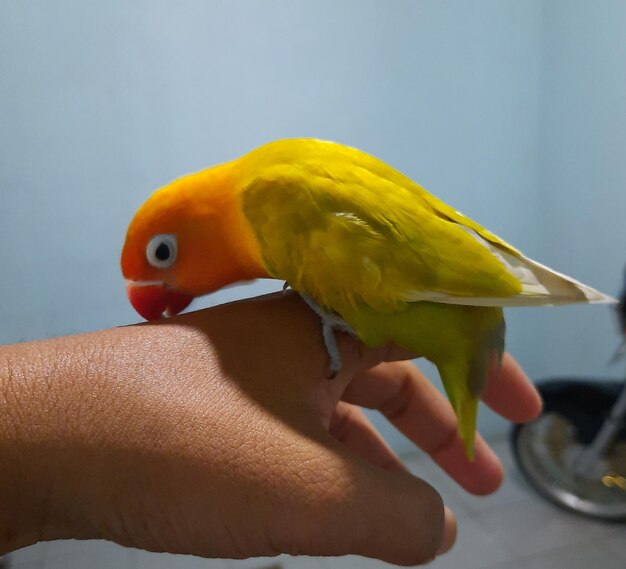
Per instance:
{"type": "Point", "coordinates": [152, 301]}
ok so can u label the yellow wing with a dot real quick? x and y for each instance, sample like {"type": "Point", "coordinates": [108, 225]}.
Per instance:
{"type": "Point", "coordinates": [345, 233]}
{"type": "Point", "coordinates": [346, 228]}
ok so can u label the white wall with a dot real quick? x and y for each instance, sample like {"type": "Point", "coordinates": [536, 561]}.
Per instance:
{"type": "Point", "coordinates": [102, 102]}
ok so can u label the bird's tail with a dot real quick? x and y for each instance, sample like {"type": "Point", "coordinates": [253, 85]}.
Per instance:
{"type": "Point", "coordinates": [464, 403]}
{"type": "Point", "coordinates": [464, 379]}
{"type": "Point", "coordinates": [466, 409]}
{"type": "Point", "coordinates": [462, 341]}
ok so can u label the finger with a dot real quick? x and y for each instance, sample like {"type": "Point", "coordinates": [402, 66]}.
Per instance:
{"type": "Point", "coordinates": [355, 357]}
{"type": "Point", "coordinates": [480, 476]}
{"type": "Point", "coordinates": [416, 408]}
{"type": "Point", "coordinates": [510, 393]}
{"type": "Point", "coordinates": [449, 533]}
{"type": "Point", "coordinates": [350, 426]}
{"type": "Point", "coordinates": [368, 511]}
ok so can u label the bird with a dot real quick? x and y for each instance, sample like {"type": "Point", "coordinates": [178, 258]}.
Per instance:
{"type": "Point", "coordinates": [368, 249]}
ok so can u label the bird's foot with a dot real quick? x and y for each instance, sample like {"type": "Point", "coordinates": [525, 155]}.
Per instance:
{"type": "Point", "coordinates": [330, 323]}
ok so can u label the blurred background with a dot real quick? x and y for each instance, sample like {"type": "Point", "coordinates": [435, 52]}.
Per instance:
{"type": "Point", "coordinates": [513, 112]}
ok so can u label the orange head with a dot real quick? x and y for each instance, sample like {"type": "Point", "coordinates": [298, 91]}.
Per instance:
{"type": "Point", "coordinates": [190, 238]}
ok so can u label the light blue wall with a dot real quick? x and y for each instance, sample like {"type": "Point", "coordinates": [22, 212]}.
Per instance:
{"type": "Point", "coordinates": [102, 102]}
{"type": "Point", "coordinates": [582, 200]}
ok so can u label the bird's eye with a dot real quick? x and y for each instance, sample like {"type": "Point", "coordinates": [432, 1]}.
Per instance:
{"type": "Point", "coordinates": [161, 251]}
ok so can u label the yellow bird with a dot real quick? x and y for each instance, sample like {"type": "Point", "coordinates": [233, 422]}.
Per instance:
{"type": "Point", "coordinates": [369, 249]}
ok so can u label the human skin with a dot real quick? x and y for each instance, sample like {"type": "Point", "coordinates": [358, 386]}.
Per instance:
{"type": "Point", "coordinates": [217, 433]}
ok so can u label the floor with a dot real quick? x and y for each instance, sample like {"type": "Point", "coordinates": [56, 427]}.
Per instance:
{"type": "Point", "coordinates": [512, 529]}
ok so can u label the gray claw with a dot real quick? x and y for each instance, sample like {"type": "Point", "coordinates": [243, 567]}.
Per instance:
{"type": "Point", "coordinates": [330, 343]}
{"type": "Point", "coordinates": [330, 323]}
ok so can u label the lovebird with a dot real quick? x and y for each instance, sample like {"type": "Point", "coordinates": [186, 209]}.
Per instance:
{"type": "Point", "coordinates": [368, 249]}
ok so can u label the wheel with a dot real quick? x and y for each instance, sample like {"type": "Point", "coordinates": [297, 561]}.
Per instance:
{"type": "Point", "coordinates": [546, 449]}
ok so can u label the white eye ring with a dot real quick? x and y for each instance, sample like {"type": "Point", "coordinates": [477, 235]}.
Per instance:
{"type": "Point", "coordinates": [162, 250]}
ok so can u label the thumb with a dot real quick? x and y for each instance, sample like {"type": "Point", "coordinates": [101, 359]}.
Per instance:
{"type": "Point", "coordinates": [365, 510]}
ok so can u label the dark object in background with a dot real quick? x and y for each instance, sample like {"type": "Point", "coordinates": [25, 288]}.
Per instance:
{"type": "Point", "coordinates": [555, 453]}
{"type": "Point", "coordinates": [574, 454]}
{"type": "Point", "coordinates": [584, 402]}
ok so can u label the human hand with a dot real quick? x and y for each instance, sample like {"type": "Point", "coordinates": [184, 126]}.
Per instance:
{"type": "Point", "coordinates": [217, 434]}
